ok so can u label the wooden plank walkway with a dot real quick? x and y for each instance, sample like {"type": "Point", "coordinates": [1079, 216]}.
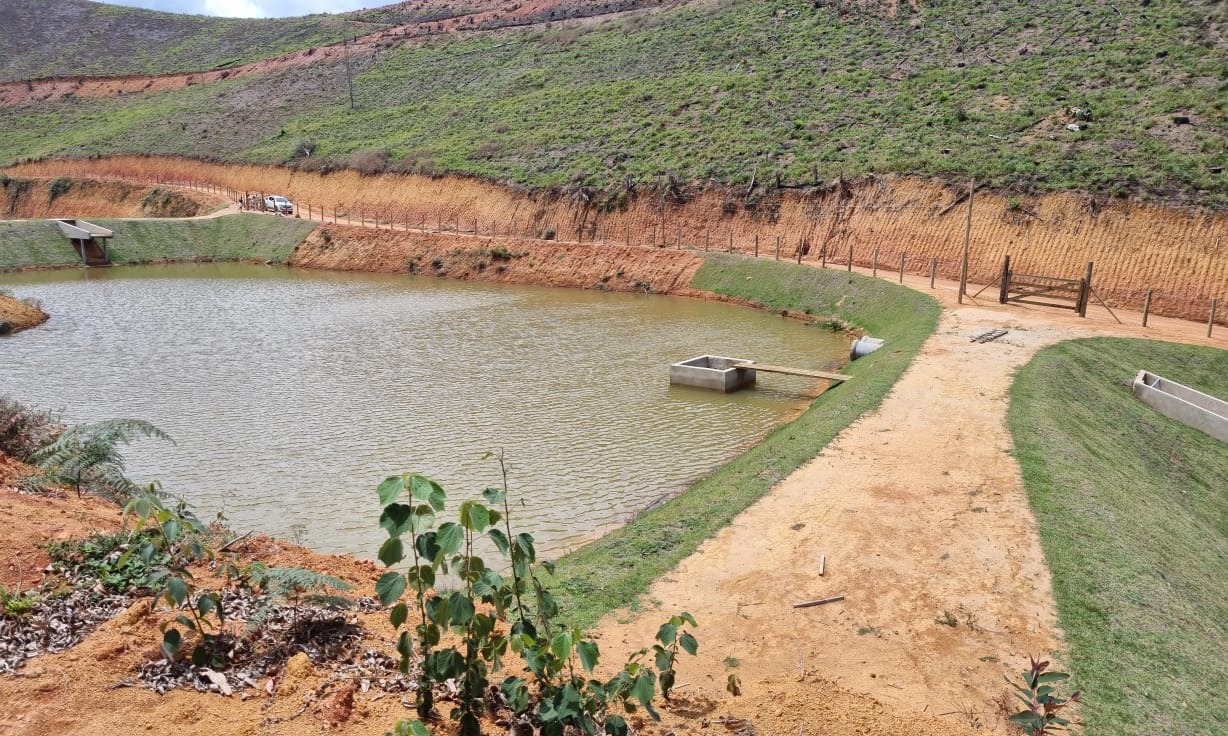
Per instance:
{"type": "Point", "coordinates": [806, 372]}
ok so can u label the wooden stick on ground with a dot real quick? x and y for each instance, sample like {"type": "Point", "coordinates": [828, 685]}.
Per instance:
{"type": "Point", "coordinates": [234, 541]}
{"type": "Point", "coordinates": [819, 602]}
{"type": "Point", "coordinates": [822, 564]}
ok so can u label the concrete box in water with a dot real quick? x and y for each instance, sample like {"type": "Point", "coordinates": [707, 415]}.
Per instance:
{"type": "Point", "coordinates": [713, 371]}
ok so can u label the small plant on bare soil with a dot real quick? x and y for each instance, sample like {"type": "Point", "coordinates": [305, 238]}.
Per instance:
{"type": "Point", "coordinates": [87, 458]}
{"type": "Point", "coordinates": [552, 696]}
{"type": "Point", "coordinates": [1041, 700]}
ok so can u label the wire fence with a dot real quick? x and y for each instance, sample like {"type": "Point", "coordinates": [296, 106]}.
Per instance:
{"type": "Point", "coordinates": [885, 263]}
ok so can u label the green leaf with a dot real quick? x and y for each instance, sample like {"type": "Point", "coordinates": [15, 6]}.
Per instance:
{"type": "Point", "coordinates": [461, 609]}
{"type": "Point", "coordinates": [688, 618]}
{"type": "Point", "coordinates": [643, 688]}
{"type": "Point", "coordinates": [474, 516]}
{"type": "Point", "coordinates": [171, 641]}
{"type": "Point", "coordinates": [390, 587]}
{"type": "Point", "coordinates": [561, 645]}
{"type": "Point", "coordinates": [516, 690]}
{"type": "Point", "coordinates": [589, 654]}
{"type": "Point", "coordinates": [177, 590]}
{"type": "Point", "coordinates": [390, 488]}
{"type": "Point", "coordinates": [666, 679]}
{"type": "Point", "coordinates": [391, 551]}
{"type": "Point", "coordinates": [397, 519]}
{"type": "Point", "coordinates": [425, 489]}
{"type": "Point", "coordinates": [205, 604]}
{"type": "Point", "coordinates": [410, 728]}
{"type": "Point", "coordinates": [450, 536]}
{"type": "Point", "coordinates": [1052, 677]}
{"type": "Point", "coordinates": [421, 577]}
{"type": "Point", "coordinates": [500, 540]}
{"type": "Point", "coordinates": [733, 684]}
{"type": "Point", "coordinates": [667, 633]}
{"type": "Point", "coordinates": [494, 496]}
{"type": "Point", "coordinates": [688, 643]}
{"type": "Point", "coordinates": [423, 519]}
{"type": "Point", "coordinates": [615, 726]}
{"type": "Point", "coordinates": [524, 543]}
{"type": "Point", "coordinates": [398, 615]}
{"type": "Point", "coordinates": [428, 546]}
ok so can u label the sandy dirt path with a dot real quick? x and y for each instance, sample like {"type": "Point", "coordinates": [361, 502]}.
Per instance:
{"type": "Point", "coordinates": [920, 513]}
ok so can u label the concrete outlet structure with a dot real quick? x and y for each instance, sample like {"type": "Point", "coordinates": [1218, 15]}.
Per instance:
{"type": "Point", "coordinates": [1175, 401]}
{"type": "Point", "coordinates": [713, 371]}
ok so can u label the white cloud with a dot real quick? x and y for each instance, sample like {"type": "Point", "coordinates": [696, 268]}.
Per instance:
{"type": "Point", "coordinates": [234, 9]}
{"type": "Point", "coordinates": [251, 8]}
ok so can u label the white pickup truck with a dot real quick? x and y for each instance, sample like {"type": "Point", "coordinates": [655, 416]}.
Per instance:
{"type": "Point", "coordinates": [278, 204]}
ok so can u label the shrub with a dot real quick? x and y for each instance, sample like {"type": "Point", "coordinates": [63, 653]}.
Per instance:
{"type": "Point", "coordinates": [552, 696]}
{"type": "Point", "coordinates": [369, 162]}
{"type": "Point", "coordinates": [24, 430]}
{"type": "Point", "coordinates": [58, 187]}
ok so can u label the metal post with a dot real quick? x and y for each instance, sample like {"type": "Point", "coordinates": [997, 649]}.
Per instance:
{"type": "Point", "coordinates": [1146, 307]}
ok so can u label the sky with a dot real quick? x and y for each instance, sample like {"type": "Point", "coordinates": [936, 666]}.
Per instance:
{"type": "Point", "coordinates": [252, 8]}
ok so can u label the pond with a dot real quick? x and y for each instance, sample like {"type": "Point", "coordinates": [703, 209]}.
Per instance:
{"type": "Point", "coordinates": [291, 394]}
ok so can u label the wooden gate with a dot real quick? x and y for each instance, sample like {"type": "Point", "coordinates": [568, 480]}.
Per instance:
{"type": "Point", "coordinates": [1045, 291]}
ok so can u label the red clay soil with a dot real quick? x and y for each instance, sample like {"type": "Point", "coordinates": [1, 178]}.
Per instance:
{"type": "Point", "coordinates": [93, 198]}
{"type": "Point", "coordinates": [1179, 253]}
{"type": "Point", "coordinates": [499, 260]}
{"type": "Point", "coordinates": [508, 13]}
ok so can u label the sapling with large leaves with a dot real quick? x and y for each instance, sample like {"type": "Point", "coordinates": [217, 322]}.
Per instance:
{"type": "Point", "coordinates": [1041, 700]}
{"type": "Point", "coordinates": [555, 695]}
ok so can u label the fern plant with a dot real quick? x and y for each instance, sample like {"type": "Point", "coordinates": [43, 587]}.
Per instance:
{"type": "Point", "coordinates": [296, 587]}
{"type": "Point", "coordinates": [87, 457]}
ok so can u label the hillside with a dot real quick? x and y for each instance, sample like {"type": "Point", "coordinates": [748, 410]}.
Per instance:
{"type": "Point", "coordinates": [779, 91]}
{"type": "Point", "coordinates": [83, 38]}
{"type": "Point", "coordinates": [76, 37]}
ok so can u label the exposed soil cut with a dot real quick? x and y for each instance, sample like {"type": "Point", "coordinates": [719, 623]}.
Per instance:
{"type": "Point", "coordinates": [1179, 253]}
{"type": "Point", "coordinates": [27, 199]}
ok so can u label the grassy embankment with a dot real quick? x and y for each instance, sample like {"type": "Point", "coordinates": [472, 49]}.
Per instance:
{"type": "Point", "coordinates": [247, 237]}
{"type": "Point", "coordinates": [1133, 518]}
{"type": "Point", "coordinates": [726, 91]}
{"type": "Point", "coordinates": [611, 572]}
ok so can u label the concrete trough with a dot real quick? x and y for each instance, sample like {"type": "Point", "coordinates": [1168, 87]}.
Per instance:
{"type": "Point", "coordinates": [713, 372]}
{"type": "Point", "coordinates": [1182, 403]}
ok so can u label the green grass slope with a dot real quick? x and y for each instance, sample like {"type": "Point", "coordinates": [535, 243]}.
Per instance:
{"type": "Point", "coordinates": [721, 91]}
{"type": "Point", "coordinates": [248, 237]}
{"type": "Point", "coordinates": [610, 572]}
{"type": "Point", "coordinates": [82, 38]}
{"type": "Point", "coordinates": [1133, 514]}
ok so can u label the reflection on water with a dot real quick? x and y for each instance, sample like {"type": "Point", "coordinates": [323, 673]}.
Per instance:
{"type": "Point", "coordinates": [291, 394]}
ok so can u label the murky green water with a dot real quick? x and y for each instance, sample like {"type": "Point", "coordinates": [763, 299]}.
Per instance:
{"type": "Point", "coordinates": [291, 394]}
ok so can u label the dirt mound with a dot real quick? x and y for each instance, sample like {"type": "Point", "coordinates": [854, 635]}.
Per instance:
{"type": "Point", "coordinates": [481, 258]}
{"type": "Point", "coordinates": [36, 198]}
{"type": "Point", "coordinates": [17, 315]}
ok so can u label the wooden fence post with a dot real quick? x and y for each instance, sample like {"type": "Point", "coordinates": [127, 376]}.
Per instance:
{"type": "Point", "coordinates": [1146, 307]}
{"type": "Point", "coordinates": [778, 247]}
{"type": "Point", "coordinates": [902, 257]}
{"type": "Point", "coordinates": [933, 271]}
{"type": "Point", "coordinates": [850, 257]}
{"type": "Point", "coordinates": [730, 240]}
{"type": "Point", "coordinates": [1211, 319]}
{"type": "Point", "coordinates": [707, 239]}
{"type": "Point", "coordinates": [874, 263]}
